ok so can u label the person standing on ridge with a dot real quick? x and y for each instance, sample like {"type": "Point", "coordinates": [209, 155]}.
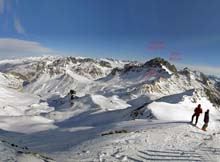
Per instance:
{"type": "Point", "coordinates": [72, 96]}
{"type": "Point", "coordinates": [196, 114]}
{"type": "Point", "coordinates": [206, 120]}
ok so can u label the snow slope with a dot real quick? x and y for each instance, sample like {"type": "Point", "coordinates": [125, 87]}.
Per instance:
{"type": "Point", "coordinates": [120, 113]}
{"type": "Point", "coordinates": [20, 112]}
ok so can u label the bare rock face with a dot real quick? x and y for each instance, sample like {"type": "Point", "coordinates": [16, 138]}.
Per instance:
{"type": "Point", "coordinates": [130, 67]}
{"type": "Point", "coordinates": [115, 71]}
{"type": "Point", "coordinates": [204, 79]}
{"type": "Point", "coordinates": [217, 85]}
{"type": "Point", "coordinates": [185, 71]}
{"type": "Point", "coordinates": [213, 96]}
{"type": "Point", "coordinates": [105, 64]}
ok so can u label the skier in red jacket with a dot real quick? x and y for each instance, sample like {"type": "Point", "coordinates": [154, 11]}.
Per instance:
{"type": "Point", "coordinates": [196, 114]}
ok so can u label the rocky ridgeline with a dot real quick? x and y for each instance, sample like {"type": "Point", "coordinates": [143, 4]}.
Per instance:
{"type": "Point", "coordinates": [30, 69]}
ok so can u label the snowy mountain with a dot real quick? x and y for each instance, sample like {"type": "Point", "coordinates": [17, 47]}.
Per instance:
{"type": "Point", "coordinates": [122, 111]}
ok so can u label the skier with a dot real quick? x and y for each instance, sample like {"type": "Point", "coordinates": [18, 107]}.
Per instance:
{"type": "Point", "coordinates": [206, 120]}
{"type": "Point", "coordinates": [196, 114]}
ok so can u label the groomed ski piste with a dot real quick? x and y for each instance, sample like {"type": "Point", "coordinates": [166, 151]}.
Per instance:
{"type": "Point", "coordinates": [117, 117]}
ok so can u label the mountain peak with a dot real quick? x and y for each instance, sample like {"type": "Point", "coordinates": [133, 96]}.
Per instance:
{"type": "Point", "coordinates": [158, 61]}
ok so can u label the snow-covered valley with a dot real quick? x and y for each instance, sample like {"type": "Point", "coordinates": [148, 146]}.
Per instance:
{"type": "Point", "coordinates": [122, 111]}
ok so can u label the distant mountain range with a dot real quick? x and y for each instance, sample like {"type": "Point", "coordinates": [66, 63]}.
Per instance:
{"type": "Point", "coordinates": [156, 76]}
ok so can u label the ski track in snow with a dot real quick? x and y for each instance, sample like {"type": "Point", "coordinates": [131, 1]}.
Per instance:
{"type": "Point", "coordinates": [174, 142]}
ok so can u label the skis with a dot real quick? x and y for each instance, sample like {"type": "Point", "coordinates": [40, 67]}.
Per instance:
{"type": "Point", "coordinates": [203, 128]}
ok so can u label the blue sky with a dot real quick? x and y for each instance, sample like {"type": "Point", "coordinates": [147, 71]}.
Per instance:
{"type": "Point", "coordinates": [122, 29]}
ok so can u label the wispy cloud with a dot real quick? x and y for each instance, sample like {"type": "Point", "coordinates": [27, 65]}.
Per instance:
{"type": "Point", "coordinates": [21, 48]}
{"type": "Point", "coordinates": [7, 8]}
{"type": "Point", "coordinates": [210, 70]}
{"type": "Point", "coordinates": [2, 6]}
{"type": "Point", "coordinates": [17, 25]}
